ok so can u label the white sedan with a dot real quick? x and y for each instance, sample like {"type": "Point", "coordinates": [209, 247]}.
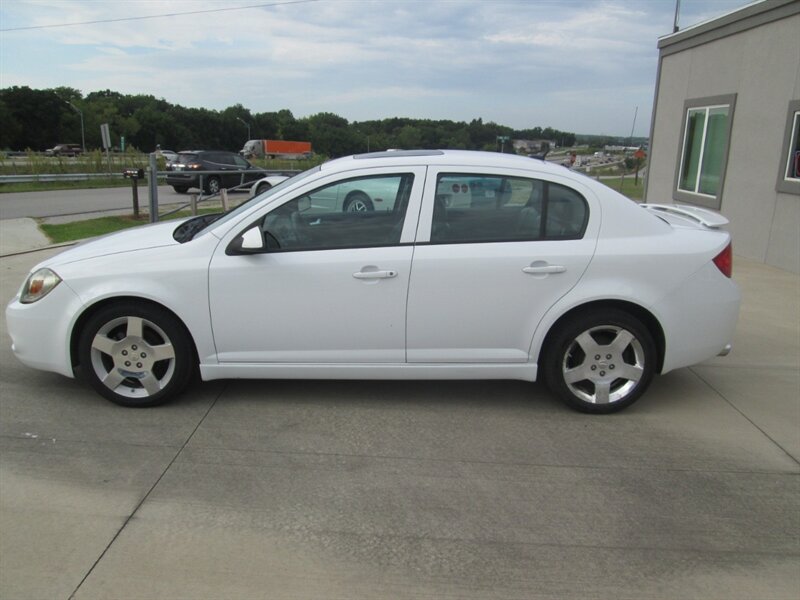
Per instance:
{"type": "Point", "coordinates": [481, 266]}
{"type": "Point", "coordinates": [266, 183]}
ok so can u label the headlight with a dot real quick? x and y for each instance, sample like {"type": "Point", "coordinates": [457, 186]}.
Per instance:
{"type": "Point", "coordinates": [38, 285]}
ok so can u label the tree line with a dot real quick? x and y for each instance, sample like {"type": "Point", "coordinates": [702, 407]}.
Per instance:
{"type": "Point", "coordinates": [37, 119]}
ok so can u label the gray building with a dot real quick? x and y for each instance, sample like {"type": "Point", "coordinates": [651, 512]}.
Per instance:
{"type": "Point", "coordinates": [725, 132]}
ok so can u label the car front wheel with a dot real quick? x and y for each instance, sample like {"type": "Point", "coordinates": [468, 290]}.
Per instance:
{"type": "Point", "coordinates": [136, 355]}
{"type": "Point", "coordinates": [600, 362]}
{"type": "Point", "coordinates": [181, 189]}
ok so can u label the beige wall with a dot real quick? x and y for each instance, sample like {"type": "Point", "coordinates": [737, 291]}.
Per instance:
{"type": "Point", "coordinates": [762, 66]}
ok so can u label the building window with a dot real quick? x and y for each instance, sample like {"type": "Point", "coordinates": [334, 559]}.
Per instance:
{"type": "Point", "coordinates": [789, 173]}
{"type": "Point", "coordinates": [704, 150]}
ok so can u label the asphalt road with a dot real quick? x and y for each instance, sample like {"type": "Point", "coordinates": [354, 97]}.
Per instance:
{"type": "Point", "coordinates": [76, 202]}
{"type": "Point", "coordinates": [325, 490]}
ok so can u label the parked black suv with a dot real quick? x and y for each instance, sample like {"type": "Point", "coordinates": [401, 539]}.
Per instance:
{"type": "Point", "coordinates": [185, 171]}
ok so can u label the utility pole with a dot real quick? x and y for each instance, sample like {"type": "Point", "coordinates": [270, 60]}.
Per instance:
{"type": "Point", "coordinates": [83, 136]}
{"type": "Point", "coordinates": [677, 12]}
{"type": "Point", "coordinates": [246, 124]}
{"type": "Point", "coordinates": [630, 139]}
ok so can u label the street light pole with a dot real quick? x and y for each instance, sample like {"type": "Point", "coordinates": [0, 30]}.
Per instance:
{"type": "Point", "coordinates": [503, 139]}
{"type": "Point", "coordinates": [83, 135]}
{"type": "Point", "coordinates": [246, 124]}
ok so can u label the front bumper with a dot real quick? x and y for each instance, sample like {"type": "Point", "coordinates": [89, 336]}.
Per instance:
{"type": "Point", "coordinates": [40, 332]}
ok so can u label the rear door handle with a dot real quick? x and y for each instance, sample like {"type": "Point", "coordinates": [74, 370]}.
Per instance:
{"type": "Point", "coordinates": [543, 270]}
{"type": "Point", "coordinates": [375, 274]}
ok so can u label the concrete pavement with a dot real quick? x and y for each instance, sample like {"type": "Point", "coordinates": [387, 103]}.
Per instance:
{"type": "Point", "coordinates": [289, 489]}
{"type": "Point", "coordinates": [21, 235]}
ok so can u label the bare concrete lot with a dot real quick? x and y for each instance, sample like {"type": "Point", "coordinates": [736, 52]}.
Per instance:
{"type": "Point", "coordinates": [349, 490]}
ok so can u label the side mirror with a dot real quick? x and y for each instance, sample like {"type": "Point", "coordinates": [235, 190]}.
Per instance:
{"type": "Point", "coordinates": [253, 239]}
{"type": "Point", "coordinates": [250, 242]}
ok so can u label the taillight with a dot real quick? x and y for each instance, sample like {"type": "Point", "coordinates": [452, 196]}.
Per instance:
{"type": "Point", "coordinates": [724, 261]}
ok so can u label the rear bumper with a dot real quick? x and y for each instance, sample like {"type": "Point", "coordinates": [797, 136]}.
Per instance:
{"type": "Point", "coordinates": [699, 318]}
{"type": "Point", "coordinates": [183, 179]}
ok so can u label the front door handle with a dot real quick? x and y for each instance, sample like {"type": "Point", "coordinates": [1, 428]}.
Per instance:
{"type": "Point", "coordinates": [375, 274]}
{"type": "Point", "coordinates": [544, 269]}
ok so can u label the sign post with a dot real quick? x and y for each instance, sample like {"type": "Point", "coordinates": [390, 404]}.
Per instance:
{"type": "Point", "coordinates": [106, 135]}
{"type": "Point", "coordinates": [639, 155]}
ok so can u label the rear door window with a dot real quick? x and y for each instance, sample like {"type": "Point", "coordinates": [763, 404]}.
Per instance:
{"type": "Point", "coordinates": [495, 208]}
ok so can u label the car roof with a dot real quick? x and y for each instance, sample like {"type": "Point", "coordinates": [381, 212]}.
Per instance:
{"type": "Point", "coordinates": [204, 151]}
{"type": "Point", "coordinates": [462, 158]}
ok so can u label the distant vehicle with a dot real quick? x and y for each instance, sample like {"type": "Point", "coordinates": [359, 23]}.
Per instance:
{"type": "Point", "coordinates": [276, 149]}
{"type": "Point", "coordinates": [551, 275]}
{"type": "Point", "coordinates": [362, 195]}
{"type": "Point", "coordinates": [169, 155]}
{"type": "Point", "coordinates": [266, 183]}
{"type": "Point", "coordinates": [185, 172]}
{"type": "Point", "coordinates": [64, 150]}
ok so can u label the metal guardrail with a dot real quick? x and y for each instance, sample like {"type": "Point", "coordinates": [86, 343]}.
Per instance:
{"type": "Point", "coordinates": [196, 199]}
{"type": "Point", "coordinates": [41, 177]}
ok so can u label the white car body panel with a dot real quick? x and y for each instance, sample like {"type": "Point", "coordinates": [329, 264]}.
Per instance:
{"type": "Point", "coordinates": [483, 284]}
{"type": "Point", "coordinates": [461, 310]}
{"type": "Point", "coordinates": [171, 274]}
{"type": "Point", "coordinates": [369, 371]}
{"type": "Point", "coordinates": [344, 319]}
{"type": "Point", "coordinates": [39, 335]}
{"type": "Point", "coordinates": [318, 312]}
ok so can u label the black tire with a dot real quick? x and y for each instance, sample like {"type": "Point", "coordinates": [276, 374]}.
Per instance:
{"type": "Point", "coordinates": [262, 187]}
{"type": "Point", "coordinates": [213, 185]}
{"type": "Point", "coordinates": [357, 202]}
{"type": "Point", "coordinates": [601, 361]}
{"type": "Point", "coordinates": [136, 355]}
{"type": "Point", "coordinates": [181, 189]}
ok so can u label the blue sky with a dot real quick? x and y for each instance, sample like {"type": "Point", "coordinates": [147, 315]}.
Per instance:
{"type": "Point", "coordinates": [575, 65]}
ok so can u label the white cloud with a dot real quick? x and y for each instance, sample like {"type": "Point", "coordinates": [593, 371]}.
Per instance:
{"type": "Point", "coordinates": [517, 62]}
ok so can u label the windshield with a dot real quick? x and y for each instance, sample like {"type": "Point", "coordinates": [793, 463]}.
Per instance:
{"type": "Point", "coordinates": [186, 159]}
{"type": "Point", "coordinates": [244, 206]}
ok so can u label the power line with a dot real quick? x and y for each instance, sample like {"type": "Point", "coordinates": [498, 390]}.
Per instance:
{"type": "Point", "coordinates": [178, 14]}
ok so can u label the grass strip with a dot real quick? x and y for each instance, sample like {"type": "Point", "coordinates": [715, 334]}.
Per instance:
{"type": "Point", "coordinates": [79, 230]}
{"type": "Point", "coordinates": [626, 187]}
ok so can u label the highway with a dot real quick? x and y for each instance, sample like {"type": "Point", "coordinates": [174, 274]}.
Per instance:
{"type": "Point", "coordinates": [78, 202]}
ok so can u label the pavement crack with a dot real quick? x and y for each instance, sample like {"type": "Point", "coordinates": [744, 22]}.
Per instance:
{"type": "Point", "coordinates": [147, 495]}
{"type": "Point", "coordinates": [748, 419]}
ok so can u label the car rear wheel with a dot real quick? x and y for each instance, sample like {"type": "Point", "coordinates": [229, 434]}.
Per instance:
{"type": "Point", "coordinates": [600, 362]}
{"type": "Point", "coordinates": [358, 202]}
{"type": "Point", "coordinates": [213, 185]}
{"type": "Point", "coordinates": [181, 189]}
{"type": "Point", "coordinates": [136, 355]}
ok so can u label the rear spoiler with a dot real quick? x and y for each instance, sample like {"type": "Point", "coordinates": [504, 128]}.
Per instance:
{"type": "Point", "coordinates": [703, 216]}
